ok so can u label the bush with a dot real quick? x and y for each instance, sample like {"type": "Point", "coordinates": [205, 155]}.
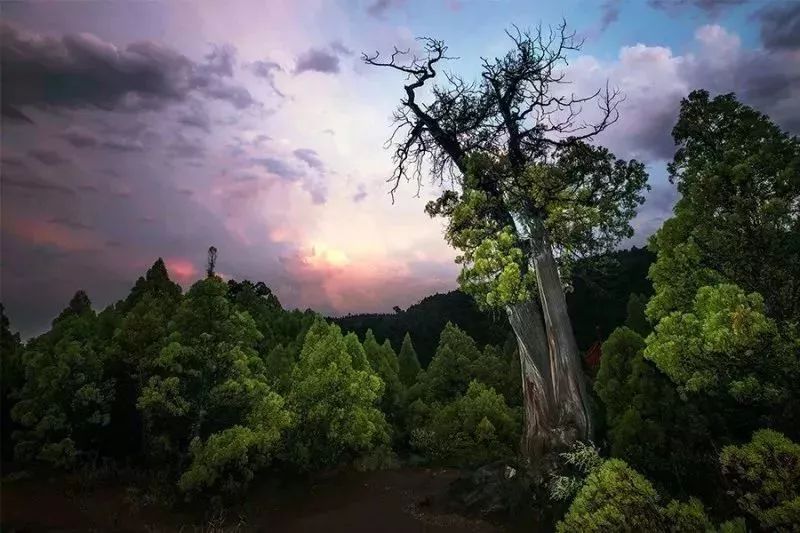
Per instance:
{"type": "Point", "coordinates": [614, 498]}
{"type": "Point", "coordinates": [335, 403]}
{"type": "Point", "coordinates": [718, 349]}
{"type": "Point", "coordinates": [228, 460]}
{"type": "Point", "coordinates": [649, 425]}
{"type": "Point", "coordinates": [473, 429]}
{"type": "Point", "coordinates": [765, 475]}
{"type": "Point", "coordinates": [64, 405]}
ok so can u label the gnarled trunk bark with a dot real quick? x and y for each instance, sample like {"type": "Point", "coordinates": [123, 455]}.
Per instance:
{"type": "Point", "coordinates": [537, 393]}
{"type": "Point", "coordinates": [573, 420]}
{"type": "Point", "coordinates": [553, 388]}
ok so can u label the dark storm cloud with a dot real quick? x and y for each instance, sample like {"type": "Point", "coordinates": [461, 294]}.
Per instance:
{"type": "Point", "coordinates": [780, 25]}
{"type": "Point", "coordinates": [656, 81]}
{"type": "Point", "coordinates": [32, 184]}
{"type": "Point", "coordinates": [82, 70]}
{"type": "Point", "coordinates": [12, 113]}
{"type": "Point", "coordinates": [195, 116]}
{"type": "Point", "coordinates": [185, 148]}
{"type": "Point", "coordinates": [711, 7]}
{"type": "Point", "coordinates": [310, 157]}
{"type": "Point", "coordinates": [317, 60]}
{"type": "Point", "coordinates": [51, 158]}
{"type": "Point", "coordinates": [123, 144]}
{"type": "Point", "coordinates": [80, 137]}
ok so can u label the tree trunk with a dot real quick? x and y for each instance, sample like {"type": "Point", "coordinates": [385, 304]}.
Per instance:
{"type": "Point", "coordinates": [573, 421]}
{"type": "Point", "coordinates": [553, 389]}
{"type": "Point", "coordinates": [537, 393]}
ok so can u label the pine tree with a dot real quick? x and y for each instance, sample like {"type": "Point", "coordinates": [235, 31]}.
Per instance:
{"type": "Point", "coordinates": [335, 403]}
{"type": "Point", "coordinates": [408, 362]}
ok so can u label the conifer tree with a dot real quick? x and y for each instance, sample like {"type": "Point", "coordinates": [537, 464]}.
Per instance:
{"type": "Point", "coordinates": [408, 362]}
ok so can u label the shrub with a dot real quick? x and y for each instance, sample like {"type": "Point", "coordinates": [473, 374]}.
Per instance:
{"type": "Point", "coordinates": [335, 403]}
{"type": "Point", "coordinates": [473, 429]}
{"type": "Point", "coordinates": [765, 474]}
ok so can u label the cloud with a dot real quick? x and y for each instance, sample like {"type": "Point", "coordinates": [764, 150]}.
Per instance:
{"type": "Point", "coordinates": [82, 70]}
{"type": "Point", "coordinates": [32, 184]}
{"type": "Point", "coordinates": [185, 148]}
{"type": "Point", "coordinates": [51, 158]}
{"type": "Point", "coordinates": [610, 10]}
{"type": "Point", "coordinates": [278, 167]}
{"type": "Point", "coordinates": [378, 8]}
{"type": "Point", "coordinates": [81, 137]}
{"type": "Point", "coordinates": [310, 157]}
{"type": "Point", "coordinates": [195, 116]}
{"type": "Point", "coordinates": [780, 25]}
{"type": "Point", "coordinates": [267, 69]}
{"type": "Point", "coordinates": [710, 7]}
{"type": "Point", "coordinates": [317, 60]}
{"type": "Point", "coordinates": [609, 13]}
{"type": "Point", "coordinates": [361, 193]}
{"type": "Point", "coordinates": [220, 61]}
{"type": "Point", "coordinates": [70, 223]}
{"type": "Point", "coordinates": [123, 144]}
{"type": "Point", "coordinates": [654, 80]}
{"type": "Point", "coordinates": [338, 47]}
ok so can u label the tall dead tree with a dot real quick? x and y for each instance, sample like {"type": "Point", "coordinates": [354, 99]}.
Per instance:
{"type": "Point", "coordinates": [518, 114]}
{"type": "Point", "coordinates": [211, 263]}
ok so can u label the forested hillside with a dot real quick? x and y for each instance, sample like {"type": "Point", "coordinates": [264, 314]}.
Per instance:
{"type": "Point", "coordinates": [597, 305]}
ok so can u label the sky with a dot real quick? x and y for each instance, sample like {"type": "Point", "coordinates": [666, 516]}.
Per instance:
{"type": "Point", "coordinates": [134, 130]}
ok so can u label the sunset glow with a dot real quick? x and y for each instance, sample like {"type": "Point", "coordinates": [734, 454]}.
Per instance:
{"type": "Point", "coordinates": [256, 127]}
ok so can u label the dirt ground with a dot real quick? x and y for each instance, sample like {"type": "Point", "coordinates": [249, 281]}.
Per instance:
{"type": "Point", "coordinates": [392, 501]}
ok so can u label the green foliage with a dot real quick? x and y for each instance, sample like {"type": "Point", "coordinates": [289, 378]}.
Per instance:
{"type": "Point", "coordinates": [208, 402]}
{"type": "Point", "coordinates": [12, 378]}
{"type": "Point", "coordinates": [425, 320]}
{"type": "Point", "coordinates": [577, 463]}
{"type": "Point", "coordinates": [588, 196]}
{"type": "Point", "coordinates": [384, 363]}
{"type": "Point", "coordinates": [64, 405]}
{"type": "Point", "coordinates": [10, 351]}
{"type": "Point", "coordinates": [687, 517]}
{"type": "Point", "coordinates": [458, 361]}
{"type": "Point", "coordinates": [471, 430]}
{"type": "Point", "coordinates": [614, 497]}
{"type": "Point", "coordinates": [737, 219]}
{"type": "Point", "coordinates": [228, 459]}
{"type": "Point", "coordinates": [649, 425]}
{"type": "Point", "coordinates": [335, 403]}
{"type": "Point", "coordinates": [726, 345]}
{"type": "Point", "coordinates": [582, 201]}
{"type": "Point", "coordinates": [408, 362]}
{"type": "Point", "coordinates": [636, 319]}
{"type": "Point", "coordinates": [494, 271]}
{"type": "Point", "coordinates": [765, 476]}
